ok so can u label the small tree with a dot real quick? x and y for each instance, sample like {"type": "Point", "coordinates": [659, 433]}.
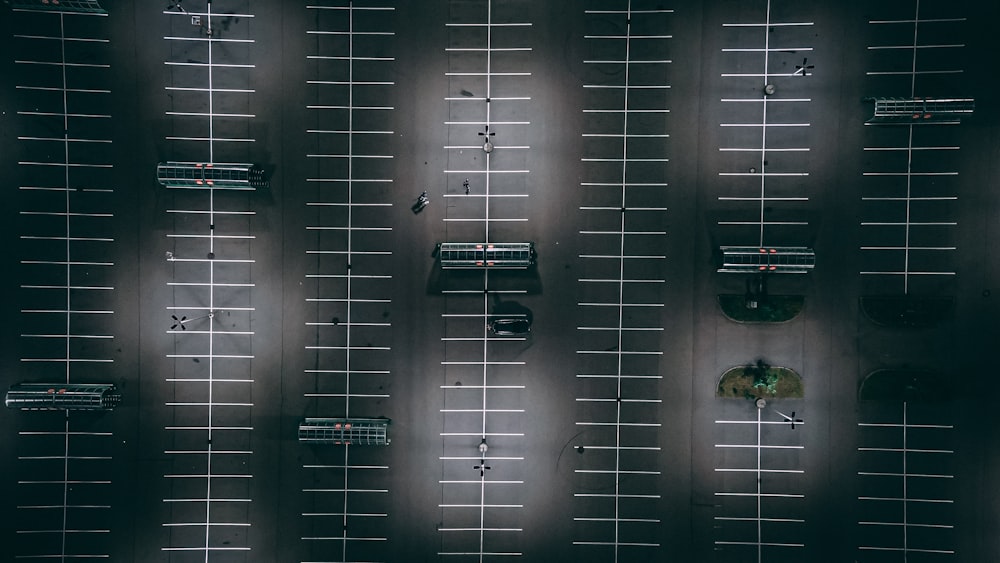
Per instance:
{"type": "Point", "coordinates": [763, 378]}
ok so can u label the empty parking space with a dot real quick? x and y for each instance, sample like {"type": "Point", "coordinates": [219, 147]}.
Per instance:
{"type": "Point", "coordinates": [760, 495]}
{"type": "Point", "coordinates": [906, 483]}
{"type": "Point", "coordinates": [909, 188]}
{"type": "Point", "coordinates": [620, 293]}
{"type": "Point", "coordinates": [207, 480]}
{"type": "Point", "coordinates": [764, 136]}
{"type": "Point", "coordinates": [485, 196]}
{"type": "Point", "coordinates": [214, 205]}
{"type": "Point", "coordinates": [346, 499]}
{"type": "Point", "coordinates": [65, 204]}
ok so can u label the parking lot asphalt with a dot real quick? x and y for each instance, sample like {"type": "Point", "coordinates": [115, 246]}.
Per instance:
{"type": "Point", "coordinates": [626, 141]}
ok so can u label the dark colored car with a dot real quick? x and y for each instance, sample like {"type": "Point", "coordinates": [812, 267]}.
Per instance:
{"type": "Point", "coordinates": [510, 326]}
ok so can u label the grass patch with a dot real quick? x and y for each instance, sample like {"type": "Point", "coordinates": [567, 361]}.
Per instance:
{"type": "Point", "coordinates": [771, 309]}
{"type": "Point", "coordinates": [907, 311]}
{"type": "Point", "coordinates": [904, 385]}
{"type": "Point", "coordinates": [738, 383]}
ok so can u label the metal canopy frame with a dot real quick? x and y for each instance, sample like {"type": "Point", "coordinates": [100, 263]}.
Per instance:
{"type": "Point", "coordinates": [905, 111]}
{"type": "Point", "coordinates": [345, 431]}
{"type": "Point", "coordinates": [62, 396]}
{"type": "Point", "coordinates": [775, 259]}
{"type": "Point", "coordinates": [215, 175]}
{"type": "Point", "coordinates": [66, 6]}
{"type": "Point", "coordinates": [486, 255]}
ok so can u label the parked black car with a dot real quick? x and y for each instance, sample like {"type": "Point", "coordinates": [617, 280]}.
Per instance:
{"type": "Point", "coordinates": [510, 318]}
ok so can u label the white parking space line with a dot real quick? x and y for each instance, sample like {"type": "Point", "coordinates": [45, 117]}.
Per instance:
{"type": "Point", "coordinates": [905, 149]}
{"type": "Point", "coordinates": [344, 308]}
{"type": "Point", "coordinates": [489, 24]}
{"type": "Point", "coordinates": [63, 39]}
{"type": "Point", "coordinates": [609, 155]}
{"type": "Point", "coordinates": [760, 492]}
{"type": "Point", "coordinates": [505, 148]}
{"type": "Point", "coordinates": [911, 223]}
{"type": "Point", "coordinates": [61, 64]}
{"type": "Point", "coordinates": [769, 24]}
{"type": "Point", "coordinates": [614, 208]}
{"type": "Point", "coordinates": [205, 380]}
{"type": "Point", "coordinates": [946, 38]}
{"type": "Point", "coordinates": [64, 456]}
{"type": "Point", "coordinates": [765, 49]}
{"type": "Point", "coordinates": [206, 114]}
{"type": "Point", "coordinates": [491, 74]}
{"type": "Point", "coordinates": [208, 65]}
{"type": "Point", "coordinates": [468, 523]}
{"type": "Point", "coordinates": [629, 136]}
{"type": "Point", "coordinates": [771, 43]}
{"type": "Point", "coordinates": [63, 139]}
{"type": "Point", "coordinates": [627, 185]}
{"type": "Point", "coordinates": [758, 198]}
{"type": "Point", "coordinates": [765, 223]}
{"type": "Point", "coordinates": [210, 90]}
{"type": "Point", "coordinates": [770, 101]}
{"type": "Point", "coordinates": [911, 72]}
{"type": "Point", "coordinates": [57, 241]}
{"type": "Point", "coordinates": [917, 527]}
{"type": "Point", "coordinates": [630, 11]}
{"type": "Point", "coordinates": [942, 46]}
{"type": "Point", "coordinates": [207, 39]}
{"type": "Point", "coordinates": [621, 233]}
{"type": "Point", "coordinates": [764, 125]}
{"type": "Point", "coordinates": [910, 174]}
{"type": "Point", "coordinates": [486, 172]}
{"type": "Point", "coordinates": [69, 361]}
{"type": "Point", "coordinates": [64, 114]}
{"type": "Point", "coordinates": [198, 297]}
{"type": "Point", "coordinates": [629, 37]}
{"type": "Point", "coordinates": [630, 86]}
{"type": "Point", "coordinates": [209, 139]}
{"type": "Point", "coordinates": [352, 33]}
{"type": "Point", "coordinates": [624, 257]}
{"type": "Point", "coordinates": [67, 89]}
{"type": "Point", "coordinates": [917, 20]}
{"type": "Point", "coordinates": [617, 400]}
{"type": "Point", "coordinates": [487, 121]}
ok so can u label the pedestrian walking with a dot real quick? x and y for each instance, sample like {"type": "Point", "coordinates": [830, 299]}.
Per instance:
{"type": "Point", "coordinates": [421, 203]}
